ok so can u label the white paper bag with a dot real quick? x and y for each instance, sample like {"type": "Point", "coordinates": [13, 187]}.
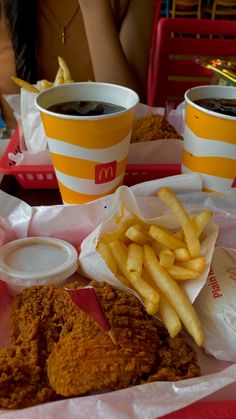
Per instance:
{"type": "Point", "coordinates": [28, 117]}
{"type": "Point", "coordinates": [216, 305]}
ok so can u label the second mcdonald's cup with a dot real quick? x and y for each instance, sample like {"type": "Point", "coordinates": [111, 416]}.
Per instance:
{"type": "Point", "coordinates": [89, 153]}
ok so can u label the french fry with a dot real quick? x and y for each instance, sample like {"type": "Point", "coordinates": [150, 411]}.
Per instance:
{"type": "Point", "coordinates": [157, 247]}
{"type": "Point", "coordinates": [166, 258]}
{"type": "Point", "coordinates": [197, 264]}
{"type": "Point", "coordinates": [179, 235]}
{"type": "Point", "coordinates": [25, 85]}
{"type": "Point", "coordinates": [181, 274]}
{"type": "Point", "coordinates": [201, 220]}
{"type": "Point", "coordinates": [135, 258]}
{"type": "Point", "coordinates": [120, 257]}
{"type": "Point", "coordinates": [166, 312]}
{"type": "Point", "coordinates": [144, 289]}
{"type": "Point", "coordinates": [119, 233]}
{"type": "Point", "coordinates": [171, 200]}
{"type": "Point", "coordinates": [105, 252]}
{"type": "Point", "coordinates": [123, 280]}
{"type": "Point", "coordinates": [150, 307]}
{"type": "Point", "coordinates": [181, 254]}
{"type": "Point", "coordinates": [65, 70]}
{"type": "Point", "coordinates": [174, 294]}
{"type": "Point", "coordinates": [165, 237]}
{"type": "Point", "coordinates": [43, 84]}
{"type": "Point", "coordinates": [59, 79]}
{"type": "Point", "coordinates": [135, 234]}
{"type": "Point", "coordinates": [169, 316]}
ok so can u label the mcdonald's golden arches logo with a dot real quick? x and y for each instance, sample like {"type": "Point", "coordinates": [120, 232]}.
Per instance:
{"type": "Point", "coordinates": [105, 172]}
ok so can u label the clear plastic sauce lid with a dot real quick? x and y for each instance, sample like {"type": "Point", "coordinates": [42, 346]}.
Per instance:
{"type": "Point", "coordinates": [37, 261]}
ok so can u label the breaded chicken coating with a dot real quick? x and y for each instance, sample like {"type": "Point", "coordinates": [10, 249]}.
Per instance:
{"type": "Point", "coordinates": [59, 351]}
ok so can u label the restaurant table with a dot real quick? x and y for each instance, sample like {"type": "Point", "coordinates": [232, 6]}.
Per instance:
{"type": "Point", "coordinates": [209, 409]}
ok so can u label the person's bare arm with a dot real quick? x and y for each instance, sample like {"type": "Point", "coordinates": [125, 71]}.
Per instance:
{"type": "Point", "coordinates": [120, 58]}
{"type": "Point", "coordinates": [7, 69]}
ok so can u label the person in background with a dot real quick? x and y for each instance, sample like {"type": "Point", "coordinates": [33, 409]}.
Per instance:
{"type": "Point", "coordinates": [101, 40]}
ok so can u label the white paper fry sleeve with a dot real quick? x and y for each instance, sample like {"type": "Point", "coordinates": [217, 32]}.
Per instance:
{"type": "Point", "coordinates": [35, 138]}
{"type": "Point", "coordinates": [216, 305]}
{"type": "Point", "coordinates": [124, 202]}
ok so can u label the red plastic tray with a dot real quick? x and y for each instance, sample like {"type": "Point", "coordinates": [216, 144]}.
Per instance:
{"type": "Point", "coordinates": [43, 177]}
{"type": "Point", "coordinates": [217, 409]}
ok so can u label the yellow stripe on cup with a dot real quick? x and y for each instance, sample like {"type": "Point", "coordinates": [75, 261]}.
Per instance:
{"type": "Point", "coordinates": [86, 133]}
{"type": "Point", "coordinates": [70, 197]}
{"type": "Point", "coordinates": [209, 126]}
{"type": "Point", "coordinates": [215, 166]}
{"type": "Point", "coordinates": [80, 168]}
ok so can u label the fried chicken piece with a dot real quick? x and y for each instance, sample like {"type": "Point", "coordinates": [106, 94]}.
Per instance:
{"type": "Point", "coordinates": [177, 359]}
{"type": "Point", "coordinates": [60, 351]}
{"type": "Point", "coordinates": [37, 317]}
{"type": "Point", "coordinates": [87, 360]}
{"type": "Point", "coordinates": [152, 127]}
{"type": "Point", "coordinates": [80, 366]}
{"type": "Point", "coordinates": [42, 316]}
{"type": "Point", "coordinates": [21, 381]}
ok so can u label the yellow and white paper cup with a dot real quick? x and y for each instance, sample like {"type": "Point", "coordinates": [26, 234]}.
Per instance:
{"type": "Point", "coordinates": [89, 153]}
{"type": "Point", "coordinates": [210, 140]}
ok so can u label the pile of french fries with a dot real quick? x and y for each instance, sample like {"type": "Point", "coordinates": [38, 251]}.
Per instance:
{"type": "Point", "coordinates": [153, 261]}
{"type": "Point", "coordinates": [63, 76]}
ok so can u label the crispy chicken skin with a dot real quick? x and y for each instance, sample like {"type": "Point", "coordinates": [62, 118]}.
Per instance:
{"type": "Point", "coordinates": [59, 351]}
{"type": "Point", "coordinates": [87, 360]}
{"type": "Point", "coordinates": [22, 381]}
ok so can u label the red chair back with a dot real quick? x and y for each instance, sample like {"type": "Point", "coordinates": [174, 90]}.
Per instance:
{"type": "Point", "coordinates": [176, 44]}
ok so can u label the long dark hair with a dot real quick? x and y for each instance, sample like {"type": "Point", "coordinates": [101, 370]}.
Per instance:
{"type": "Point", "coordinates": [22, 24]}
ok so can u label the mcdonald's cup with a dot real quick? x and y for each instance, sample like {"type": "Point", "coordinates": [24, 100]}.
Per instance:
{"type": "Point", "coordinates": [210, 139]}
{"type": "Point", "coordinates": [89, 152]}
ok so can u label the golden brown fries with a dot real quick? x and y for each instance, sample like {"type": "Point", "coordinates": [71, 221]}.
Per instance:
{"type": "Point", "coordinates": [59, 77]}
{"type": "Point", "coordinates": [165, 311]}
{"type": "Point", "coordinates": [181, 254]}
{"type": "Point", "coordinates": [63, 76]}
{"type": "Point", "coordinates": [197, 264]}
{"type": "Point", "coordinates": [169, 316]}
{"type": "Point", "coordinates": [135, 234]}
{"type": "Point", "coordinates": [106, 254]}
{"type": "Point", "coordinates": [43, 84]}
{"type": "Point", "coordinates": [65, 70]}
{"type": "Point", "coordinates": [150, 307]}
{"type": "Point", "coordinates": [166, 258]}
{"type": "Point", "coordinates": [153, 261]}
{"type": "Point", "coordinates": [135, 279]}
{"type": "Point", "coordinates": [201, 220]}
{"type": "Point", "coordinates": [123, 280]}
{"type": "Point", "coordinates": [135, 258]}
{"type": "Point", "coordinates": [182, 274]}
{"type": "Point", "coordinates": [119, 233]}
{"type": "Point", "coordinates": [166, 238]}
{"type": "Point", "coordinates": [174, 294]}
{"type": "Point", "coordinates": [171, 200]}
{"type": "Point", "coordinates": [25, 85]}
